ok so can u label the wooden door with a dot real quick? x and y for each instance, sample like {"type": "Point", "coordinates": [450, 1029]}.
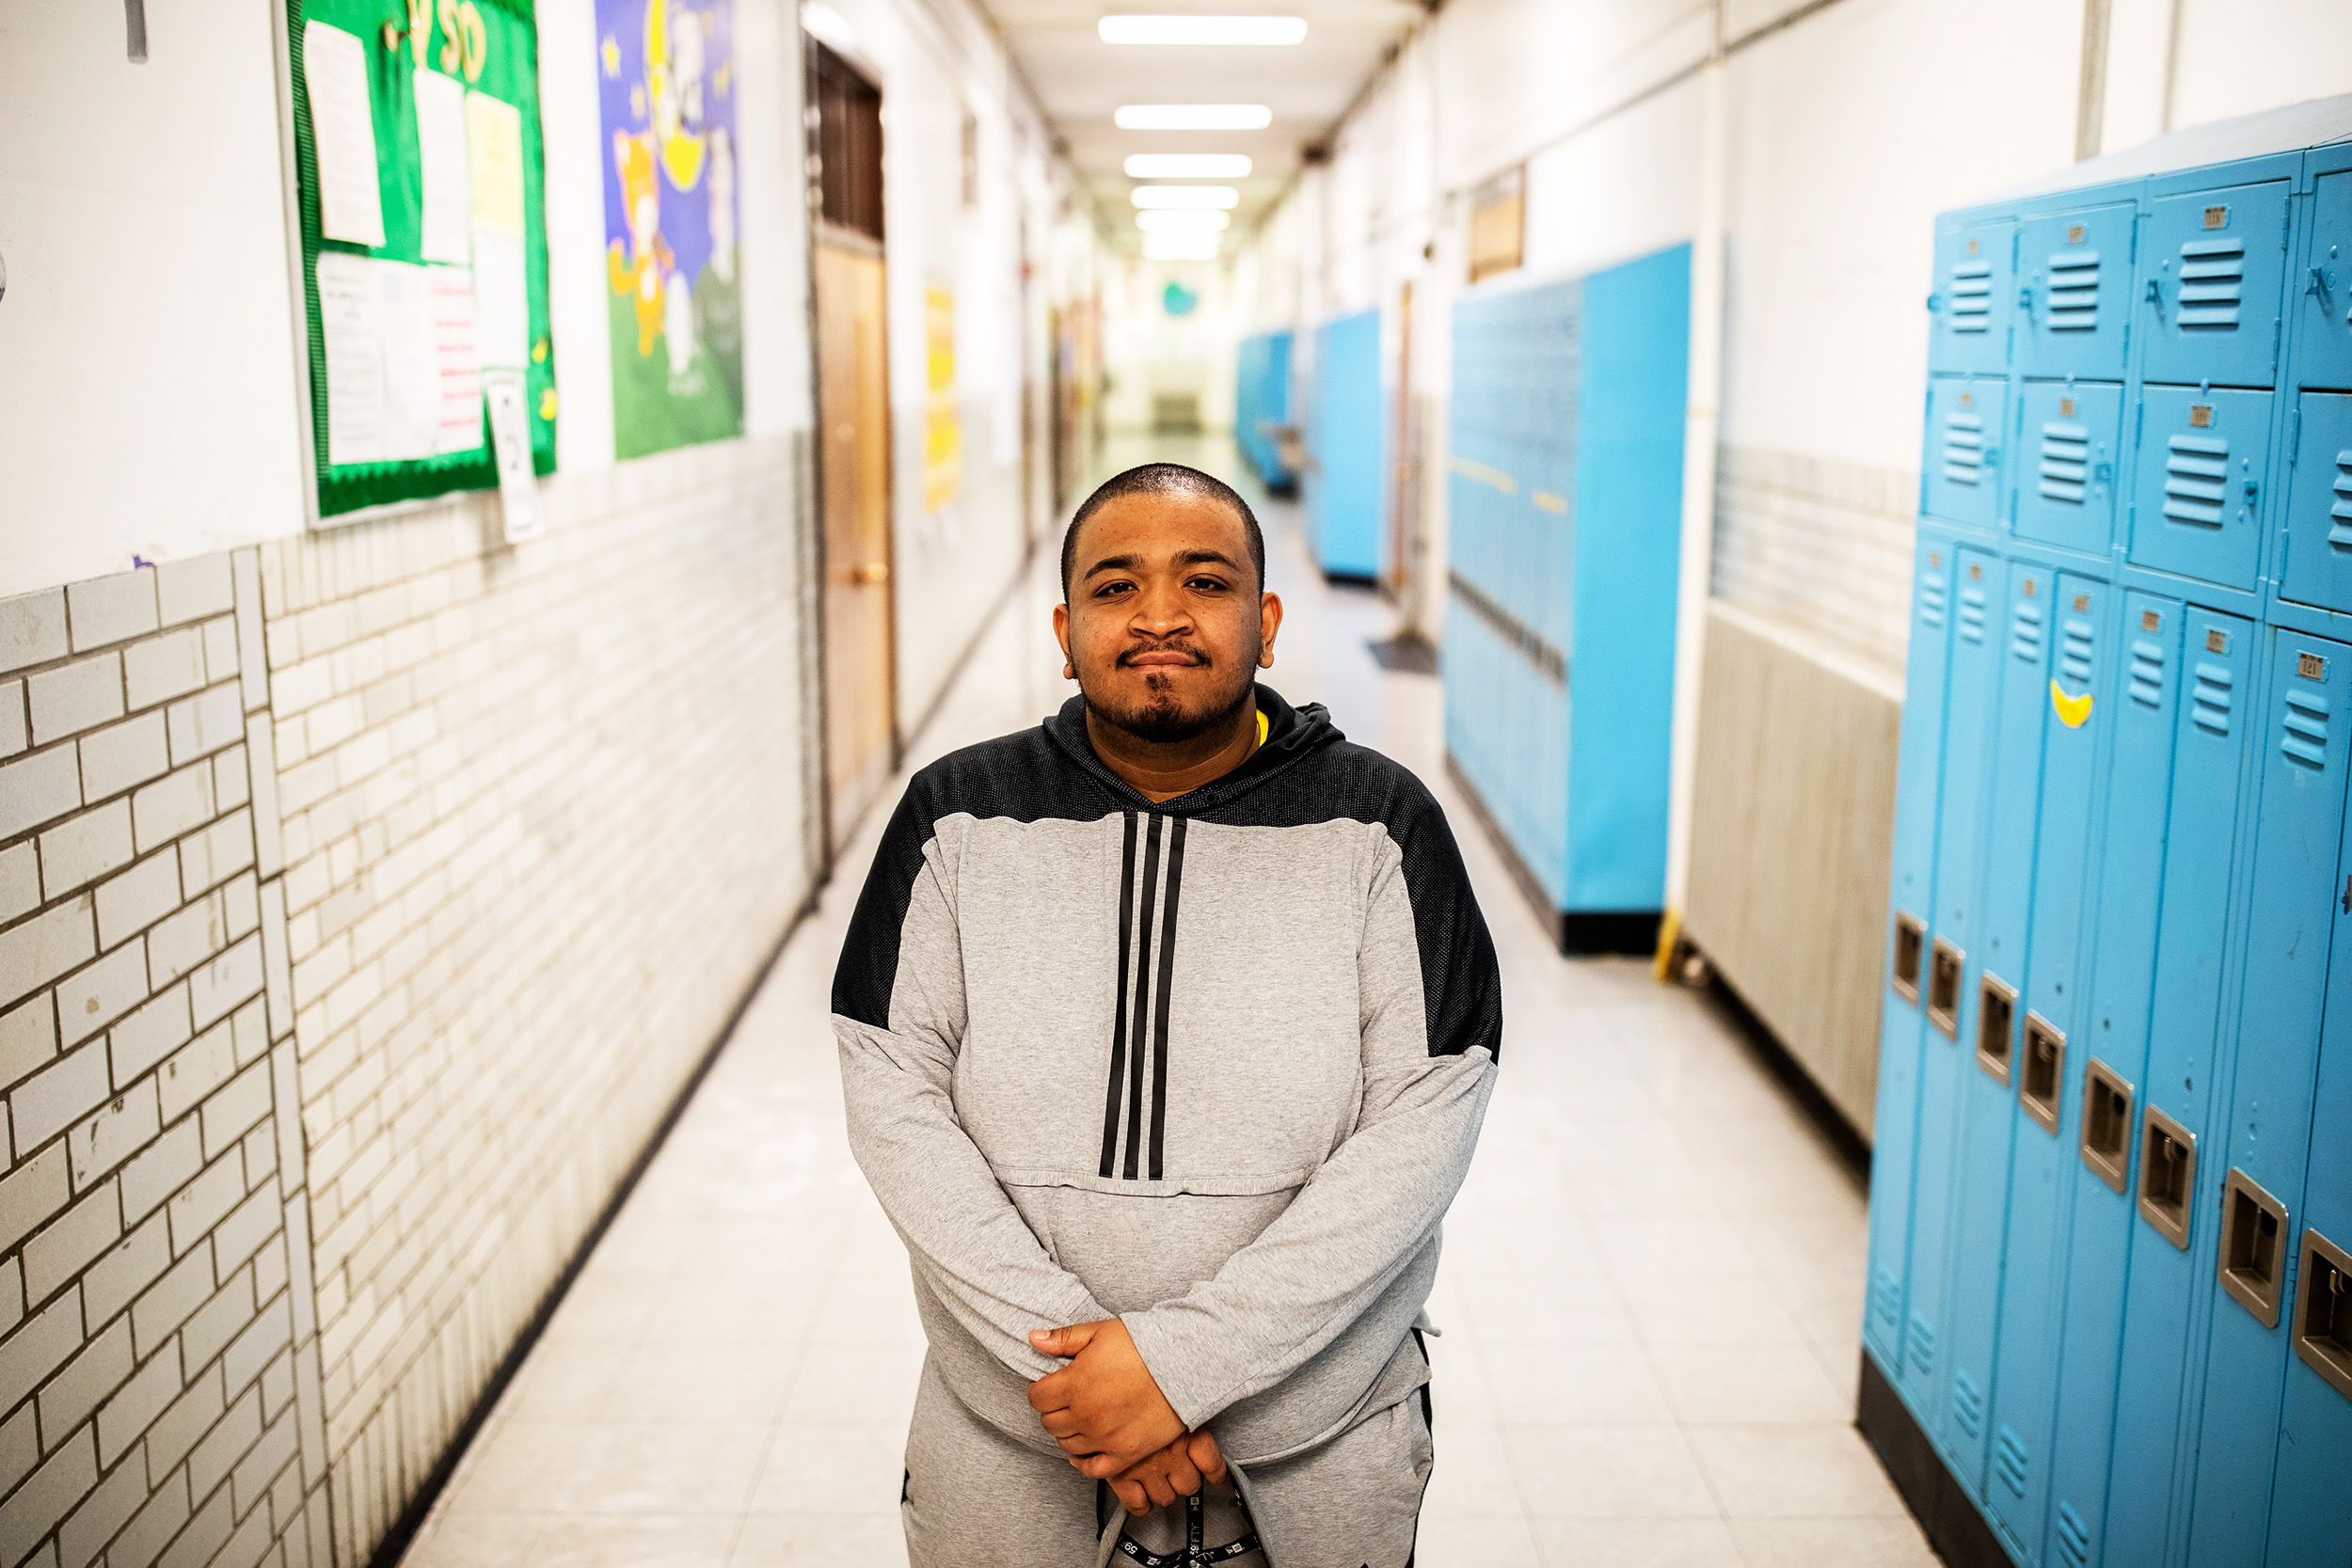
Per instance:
{"type": "Point", "coordinates": [853, 415]}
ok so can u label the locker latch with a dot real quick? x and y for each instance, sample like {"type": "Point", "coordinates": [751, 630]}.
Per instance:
{"type": "Point", "coordinates": [2348, 896]}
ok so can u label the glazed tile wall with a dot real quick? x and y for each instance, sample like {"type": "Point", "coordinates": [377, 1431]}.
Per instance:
{"type": "Point", "coordinates": [380, 886]}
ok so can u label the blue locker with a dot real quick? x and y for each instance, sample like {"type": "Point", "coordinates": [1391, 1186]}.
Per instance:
{"type": "Point", "coordinates": [2171, 1240]}
{"type": "Point", "coordinates": [1970, 693]}
{"type": "Point", "coordinates": [2266, 1137]}
{"type": "Point", "coordinates": [1962, 465]}
{"type": "Point", "coordinates": [2033, 1278]}
{"type": "Point", "coordinates": [1975, 288]}
{"type": "Point", "coordinates": [1347, 484]}
{"type": "Point", "coordinates": [2077, 291]}
{"type": "Point", "coordinates": [2197, 490]}
{"type": "Point", "coordinates": [2310, 1510]}
{"type": "Point", "coordinates": [2319, 502]}
{"type": "Point", "coordinates": [2323, 351]}
{"type": "Point", "coordinates": [2139, 794]}
{"type": "Point", "coordinates": [2216, 262]}
{"type": "Point", "coordinates": [1261, 401]}
{"type": "Point", "coordinates": [1903, 1025]}
{"type": "Point", "coordinates": [2069, 441]}
{"type": "Point", "coordinates": [1988, 1110]}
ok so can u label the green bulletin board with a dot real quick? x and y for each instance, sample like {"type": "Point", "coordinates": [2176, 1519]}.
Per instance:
{"type": "Point", "coordinates": [426, 275]}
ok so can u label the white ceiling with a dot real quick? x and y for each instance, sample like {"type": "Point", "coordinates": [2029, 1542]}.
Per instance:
{"type": "Point", "coordinates": [1080, 79]}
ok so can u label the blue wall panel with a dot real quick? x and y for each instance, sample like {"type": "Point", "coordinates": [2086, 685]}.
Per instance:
{"type": "Point", "coordinates": [1629, 542]}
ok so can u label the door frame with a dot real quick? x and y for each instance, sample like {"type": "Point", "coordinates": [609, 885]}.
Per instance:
{"type": "Point", "coordinates": [818, 231]}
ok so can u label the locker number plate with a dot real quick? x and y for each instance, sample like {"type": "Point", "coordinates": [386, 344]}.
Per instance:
{"type": "Point", "coordinates": [2217, 217]}
{"type": "Point", "coordinates": [2201, 415]}
{"type": "Point", "coordinates": [2311, 667]}
{"type": "Point", "coordinates": [2217, 642]}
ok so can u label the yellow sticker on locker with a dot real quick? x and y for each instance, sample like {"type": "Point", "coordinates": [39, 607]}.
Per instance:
{"type": "Point", "coordinates": [2073, 712]}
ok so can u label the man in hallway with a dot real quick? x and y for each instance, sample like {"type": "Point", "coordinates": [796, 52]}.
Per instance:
{"type": "Point", "coordinates": [1166, 1032]}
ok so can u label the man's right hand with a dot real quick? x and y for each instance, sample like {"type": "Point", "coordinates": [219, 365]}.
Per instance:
{"type": "Point", "coordinates": [1175, 1471]}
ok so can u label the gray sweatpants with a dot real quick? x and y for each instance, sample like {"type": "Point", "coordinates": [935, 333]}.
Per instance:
{"type": "Point", "coordinates": [976, 1499]}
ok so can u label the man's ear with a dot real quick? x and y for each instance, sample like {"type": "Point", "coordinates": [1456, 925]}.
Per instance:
{"type": "Point", "coordinates": [1061, 635]}
{"type": "Point", "coordinates": [1269, 626]}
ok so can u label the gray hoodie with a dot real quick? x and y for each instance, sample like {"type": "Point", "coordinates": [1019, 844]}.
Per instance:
{"type": "Point", "coordinates": [1215, 1065]}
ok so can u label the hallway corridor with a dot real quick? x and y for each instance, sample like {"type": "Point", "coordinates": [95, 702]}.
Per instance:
{"type": "Point", "coordinates": [1649, 1300]}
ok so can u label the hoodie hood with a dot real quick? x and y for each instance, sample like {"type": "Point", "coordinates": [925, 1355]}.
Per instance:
{"type": "Point", "coordinates": [1292, 735]}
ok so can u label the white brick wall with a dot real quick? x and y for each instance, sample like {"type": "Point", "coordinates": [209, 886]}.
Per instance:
{"type": "Point", "coordinates": [542, 822]}
{"type": "Point", "coordinates": [381, 887]}
{"type": "Point", "coordinates": [1819, 546]}
{"type": "Point", "coordinates": [155, 1404]}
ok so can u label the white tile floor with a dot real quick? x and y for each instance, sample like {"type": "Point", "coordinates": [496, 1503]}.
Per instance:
{"type": "Point", "coordinates": [1651, 1290]}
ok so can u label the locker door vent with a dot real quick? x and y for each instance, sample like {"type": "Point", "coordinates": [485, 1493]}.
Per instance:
{"type": "Point", "coordinates": [2075, 651]}
{"type": "Point", "coordinates": [1886, 1297]}
{"type": "Point", "coordinates": [1972, 614]}
{"type": "Point", "coordinates": [2213, 274]}
{"type": "Point", "coordinates": [2168, 1175]}
{"type": "Point", "coordinates": [1943, 965]}
{"type": "Point", "coordinates": [2075, 290]}
{"type": "Point", "coordinates": [1919, 1346]}
{"type": "Point", "coordinates": [2010, 1460]}
{"type": "Point", "coordinates": [2339, 515]}
{"type": "Point", "coordinates": [1997, 1014]}
{"type": "Point", "coordinates": [1972, 295]}
{"type": "Point", "coordinates": [2106, 1124]}
{"type": "Point", "coordinates": [1911, 941]}
{"type": "Point", "coordinates": [2147, 685]}
{"type": "Point", "coordinates": [1968, 1404]}
{"type": "Point", "coordinates": [2044, 1080]}
{"type": "Point", "coordinates": [2195, 477]}
{"type": "Point", "coordinates": [2209, 705]}
{"type": "Point", "coordinates": [2253, 1246]}
{"type": "Point", "coordinates": [2323, 1310]}
{"type": "Point", "coordinates": [2065, 471]}
{"type": "Point", "coordinates": [1933, 597]}
{"type": "Point", "coordinates": [2024, 632]}
{"type": "Point", "coordinates": [1963, 446]}
{"type": "Point", "coordinates": [2073, 1537]}
{"type": "Point", "coordinates": [2303, 732]}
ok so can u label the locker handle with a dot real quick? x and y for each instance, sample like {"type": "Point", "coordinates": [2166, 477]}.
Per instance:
{"type": "Point", "coordinates": [2168, 1175]}
{"type": "Point", "coordinates": [2323, 1315]}
{"type": "Point", "coordinates": [2155, 295]}
{"type": "Point", "coordinates": [2253, 1263]}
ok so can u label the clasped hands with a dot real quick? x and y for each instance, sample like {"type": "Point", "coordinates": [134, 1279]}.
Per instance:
{"type": "Point", "coordinates": [1111, 1417]}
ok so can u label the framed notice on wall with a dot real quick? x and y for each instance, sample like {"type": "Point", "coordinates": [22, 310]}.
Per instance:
{"type": "Point", "coordinates": [424, 258]}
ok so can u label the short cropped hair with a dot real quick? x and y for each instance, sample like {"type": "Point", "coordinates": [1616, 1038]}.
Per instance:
{"type": "Point", "coordinates": [1163, 478]}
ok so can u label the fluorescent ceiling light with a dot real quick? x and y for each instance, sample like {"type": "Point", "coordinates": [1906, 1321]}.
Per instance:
{"type": "Point", "coordinates": [1202, 29]}
{"type": "Point", "coordinates": [1188, 165]}
{"type": "Point", "coordinates": [1162, 221]}
{"type": "Point", "coordinates": [1185, 196]}
{"type": "Point", "coordinates": [1193, 116]}
{"type": "Point", "coordinates": [1180, 247]}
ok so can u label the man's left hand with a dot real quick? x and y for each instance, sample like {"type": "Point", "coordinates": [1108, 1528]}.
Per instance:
{"type": "Point", "coordinates": [1103, 1408]}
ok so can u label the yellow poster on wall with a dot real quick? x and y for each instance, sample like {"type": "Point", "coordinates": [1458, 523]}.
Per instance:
{"type": "Point", "coordinates": [943, 432]}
